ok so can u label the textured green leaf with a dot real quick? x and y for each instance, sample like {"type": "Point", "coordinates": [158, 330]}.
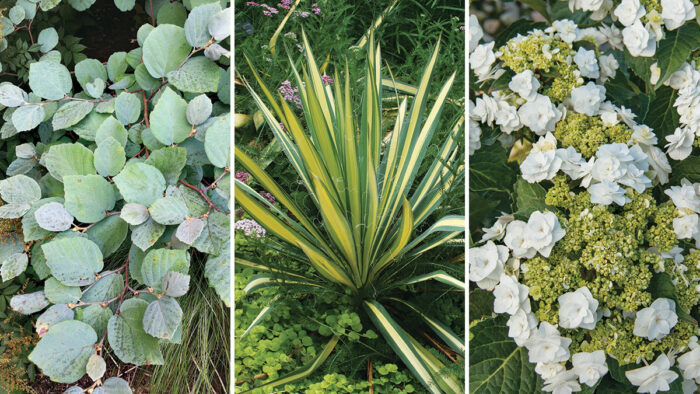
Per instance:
{"type": "Point", "coordinates": [662, 115]}
{"type": "Point", "coordinates": [144, 78]}
{"type": "Point", "coordinates": [96, 88]}
{"type": "Point", "coordinates": [218, 273]}
{"type": "Point", "coordinates": [127, 337]}
{"type": "Point", "coordinates": [81, 5]}
{"type": "Point", "coordinates": [116, 66]}
{"type": "Point", "coordinates": [88, 197]}
{"type": "Point", "coordinates": [140, 183]}
{"type": "Point", "coordinates": [496, 363]}
{"type": "Point", "coordinates": [87, 128]}
{"type": "Point", "coordinates": [124, 5]}
{"type": "Point", "coordinates": [175, 284]}
{"type": "Point", "coordinates": [74, 261]}
{"type": "Point", "coordinates": [64, 351]}
{"type": "Point", "coordinates": [89, 70]}
{"type": "Point", "coordinates": [53, 217]}
{"type": "Point", "coordinates": [169, 161]}
{"type": "Point", "coordinates": [162, 317]}
{"type": "Point", "coordinates": [70, 113]}
{"type": "Point", "coordinates": [529, 198]}
{"type": "Point", "coordinates": [58, 293]}
{"type": "Point", "coordinates": [168, 210]}
{"type": "Point", "coordinates": [46, 5]}
{"type": "Point", "coordinates": [48, 38]}
{"type": "Point", "coordinates": [189, 230]}
{"type": "Point", "coordinates": [688, 168]}
{"type": "Point", "coordinates": [128, 107]}
{"type": "Point", "coordinates": [197, 75]}
{"type": "Point", "coordinates": [27, 117]}
{"type": "Point", "coordinates": [220, 24]}
{"type": "Point", "coordinates": [217, 140]}
{"type": "Point", "coordinates": [108, 234]}
{"type": "Point", "coordinates": [114, 385]}
{"type": "Point", "coordinates": [30, 228]}
{"type": "Point", "coordinates": [96, 367]}
{"type": "Point", "coordinates": [215, 235]}
{"type": "Point", "coordinates": [16, 14]}
{"type": "Point", "coordinates": [159, 262]}
{"type": "Point", "coordinates": [96, 316]}
{"type": "Point", "coordinates": [199, 109]}
{"type": "Point", "coordinates": [13, 211]}
{"type": "Point", "coordinates": [53, 315]}
{"type": "Point", "coordinates": [480, 304]}
{"type": "Point", "coordinates": [19, 189]}
{"type": "Point", "coordinates": [28, 304]}
{"type": "Point", "coordinates": [111, 127]}
{"type": "Point", "coordinates": [11, 95]}
{"type": "Point", "coordinates": [165, 49]}
{"type": "Point", "coordinates": [196, 26]}
{"type": "Point", "coordinates": [49, 80]}
{"type": "Point", "coordinates": [109, 157]}
{"type": "Point", "coordinates": [169, 118]}
{"type": "Point", "coordinates": [104, 289]}
{"type": "Point", "coordinates": [13, 266]}
{"type": "Point", "coordinates": [134, 213]}
{"type": "Point", "coordinates": [69, 159]}
{"type": "Point", "coordinates": [489, 171]}
{"type": "Point", "coordinates": [146, 234]}
{"type": "Point", "coordinates": [675, 49]}
{"type": "Point", "coordinates": [173, 13]}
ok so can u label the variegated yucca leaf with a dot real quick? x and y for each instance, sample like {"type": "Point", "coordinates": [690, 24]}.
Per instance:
{"type": "Point", "coordinates": [366, 191]}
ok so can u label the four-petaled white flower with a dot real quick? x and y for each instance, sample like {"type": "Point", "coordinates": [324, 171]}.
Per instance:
{"type": "Point", "coordinates": [486, 264]}
{"type": "Point", "coordinates": [546, 345]}
{"type": "Point", "coordinates": [577, 309]}
{"type": "Point", "coordinates": [653, 378]}
{"type": "Point", "coordinates": [510, 296]}
{"type": "Point", "coordinates": [589, 367]}
{"type": "Point", "coordinates": [656, 320]}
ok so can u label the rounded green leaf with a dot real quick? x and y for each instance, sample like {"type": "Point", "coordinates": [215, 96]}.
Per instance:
{"type": "Point", "coordinates": [58, 293]}
{"type": "Point", "coordinates": [220, 24]}
{"type": "Point", "coordinates": [88, 197]}
{"type": "Point", "coordinates": [197, 75]}
{"type": "Point", "coordinates": [189, 230]}
{"type": "Point", "coordinates": [53, 217]}
{"type": "Point", "coordinates": [218, 272]}
{"type": "Point", "coordinates": [116, 66]}
{"type": "Point", "coordinates": [63, 352]}
{"type": "Point", "coordinates": [96, 316]}
{"type": "Point", "coordinates": [111, 127]}
{"type": "Point", "coordinates": [19, 189]}
{"type": "Point", "coordinates": [114, 385]}
{"type": "Point", "coordinates": [74, 261]}
{"type": "Point", "coordinates": [70, 114]}
{"type": "Point", "coordinates": [162, 318]}
{"type": "Point", "coordinates": [49, 80]}
{"type": "Point", "coordinates": [28, 304]}
{"type": "Point", "coordinates": [106, 288]}
{"type": "Point", "coordinates": [69, 159]}
{"type": "Point", "coordinates": [196, 26]}
{"type": "Point", "coordinates": [13, 266]}
{"type": "Point", "coordinates": [146, 234]}
{"type": "Point", "coordinates": [124, 5]}
{"type": "Point", "coordinates": [55, 314]}
{"type": "Point", "coordinates": [159, 262]}
{"type": "Point", "coordinates": [109, 157]}
{"type": "Point", "coordinates": [169, 119]}
{"type": "Point", "coordinates": [134, 213]}
{"type": "Point", "coordinates": [175, 284]}
{"type": "Point", "coordinates": [96, 87]}
{"type": "Point", "coordinates": [81, 5]}
{"type": "Point", "coordinates": [108, 234]}
{"type": "Point", "coordinates": [128, 107]}
{"type": "Point", "coordinates": [140, 183]}
{"type": "Point", "coordinates": [199, 109]}
{"type": "Point", "coordinates": [127, 337]}
{"type": "Point", "coordinates": [11, 95]}
{"type": "Point", "coordinates": [173, 13]}
{"type": "Point", "coordinates": [168, 210]}
{"type": "Point", "coordinates": [48, 38]}
{"type": "Point", "coordinates": [96, 367]}
{"type": "Point", "coordinates": [217, 140]}
{"type": "Point", "coordinates": [165, 49]}
{"type": "Point", "coordinates": [13, 211]}
{"type": "Point", "coordinates": [89, 70]}
{"type": "Point", "coordinates": [144, 79]}
{"type": "Point", "coordinates": [169, 161]}
{"type": "Point", "coordinates": [16, 14]}
{"type": "Point", "coordinates": [28, 117]}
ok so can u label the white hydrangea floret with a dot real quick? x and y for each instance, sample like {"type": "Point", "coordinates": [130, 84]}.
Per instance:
{"type": "Point", "coordinates": [589, 367]}
{"type": "Point", "coordinates": [587, 99]}
{"type": "Point", "coordinates": [546, 345]}
{"type": "Point", "coordinates": [562, 383]}
{"type": "Point", "coordinates": [525, 84]}
{"type": "Point", "coordinates": [577, 309]}
{"type": "Point", "coordinates": [486, 264]}
{"type": "Point", "coordinates": [539, 114]}
{"type": "Point", "coordinates": [567, 29]}
{"type": "Point", "coordinates": [543, 231]}
{"type": "Point", "coordinates": [521, 325]}
{"type": "Point", "coordinates": [656, 320]}
{"type": "Point", "coordinates": [481, 59]}
{"type": "Point", "coordinates": [653, 378]}
{"type": "Point", "coordinates": [676, 12]}
{"type": "Point", "coordinates": [516, 241]}
{"type": "Point", "coordinates": [629, 11]}
{"type": "Point", "coordinates": [549, 370]}
{"type": "Point", "coordinates": [684, 196]}
{"type": "Point", "coordinates": [539, 166]}
{"type": "Point", "coordinates": [638, 40]}
{"type": "Point", "coordinates": [689, 363]}
{"type": "Point", "coordinates": [498, 230]}
{"type": "Point", "coordinates": [587, 63]}
{"type": "Point", "coordinates": [680, 143]}
{"type": "Point", "coordinates": [510, 296]}
{"type": "Point", "coordinates": [475, 32]}
{"type": "Point", "coordinates": [686, 226]}
{"type": "Point", "coordinates": [606, 193]}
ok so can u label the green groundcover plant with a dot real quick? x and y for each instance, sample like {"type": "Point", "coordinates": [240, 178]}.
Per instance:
{"type": "Point", "coordinates": [584, 192]}
{"type": "Point", "coordinates": [118, 174]}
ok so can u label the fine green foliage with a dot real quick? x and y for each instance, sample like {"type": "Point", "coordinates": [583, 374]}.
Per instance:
{"type": "Point", "coordinates": [363, 193]}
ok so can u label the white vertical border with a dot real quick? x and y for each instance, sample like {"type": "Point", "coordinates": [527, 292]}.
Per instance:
{"type": "Point", "coordinates": [232, 217]}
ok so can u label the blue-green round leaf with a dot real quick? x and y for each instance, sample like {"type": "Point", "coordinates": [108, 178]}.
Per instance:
{"type": "Point", "coordinates": [109, 157]}
{"type": "Point", "coordinates": [28, 117]}
{"type": "Point", "coordinates": [127, 337]}
{"type": "Point", "coordinates": [165, 49]}
{"type": "Point", "coordinates": [169, 119]}
{"type": "Point", "coordinates": [140, 183]}
{"type": "Point", "coordinates": [64, 351]}
{"type": "Point", "coordinates": [162, 318]}
{"type": "Point", "coordinates": [74, 261]}
{"type": "Point", "coordinates": [88, 197]}
{"type": "Point", "coordinates": [196, 26]}
{"type": "Point", "coordinates": [69, 159]}
{"type": "Point", "coordinates": [127, 108]}
{"type": "Point", "coordinates": [48, 38]}
{"type": "Point", "coordinates": [217, 142]}
{"type": "Point", "coordinates": [49, 80]}
{"type": "Point", "coordinates": [197, 75]}
{"type": "Point", "coordinates": [168, 210]}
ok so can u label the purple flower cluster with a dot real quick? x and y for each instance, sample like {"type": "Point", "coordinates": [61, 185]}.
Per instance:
{"type": "Point", "coordinates": [242, 176]}
{"type": "Point", "coordinates": [268, 196]}
{"type": "Point", "coordinates": [268, 11]}
{"type": "Point", "coordinates": [316, 10]}
{"type": "Point", "coordinates": [327, 79]}
{"type": "Point", "coordinates": [250, 227]}
{"type": "Point", "coordinates": [290, 93]}
{"type": "Point", "coordinates": [286, 4]}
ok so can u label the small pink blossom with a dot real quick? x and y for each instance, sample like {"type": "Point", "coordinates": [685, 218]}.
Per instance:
{"type": "Point", "coordinates": [268, 196]}
{"type": "Point", "coordinates": [242, 176]}
{"type": "Point", "coordinates": [327, 79]}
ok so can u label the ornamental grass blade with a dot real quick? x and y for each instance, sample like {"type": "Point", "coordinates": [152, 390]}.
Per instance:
{"type": "Point", "coordinates": [440, 276]}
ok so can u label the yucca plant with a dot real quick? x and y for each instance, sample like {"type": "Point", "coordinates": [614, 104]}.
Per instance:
{"type": "Point", "coordinates": [365, 193]}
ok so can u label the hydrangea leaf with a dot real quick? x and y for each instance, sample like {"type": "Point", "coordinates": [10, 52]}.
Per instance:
{"type": "Point", "coordinates": [64, 351]}
{"type": "Point", "coordinates": [69, 159]}
{"type": "Point", "coordinates": [169, 119]}
{"type": "Point", "coordinates": [88, 197]}
{"type": "Point", "coordinates": [168, 210]}
{"type": "Point", "coordinates": [165, 49]}
{"type": "Point", "coordinates": [49, 80]}
{"type": "Point", "coordinates": [162, 317]}
{"type": "Point", "coordinates": [74, 261]}
{"type": "Point", "coordinates": [130, 342]}
{"type": "Point", "coordinates": [197, 75]}
{"type": "Point", "coordinates": [158, 262]}
{"type": "Point", "coordinates": [140, 183]}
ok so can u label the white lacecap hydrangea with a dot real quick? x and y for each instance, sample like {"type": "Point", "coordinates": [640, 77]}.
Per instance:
{"type": "Point", "coordinates": [577, 309]}
{"type": "Point", "coordinates": [546, 345]}
{"type": "Point", "coordinates": [653, 378]}
{"type": "Point", "coordinates": [589, 367]}
{"type": "Point", "coordinates": [486, 264]}
{"type": "Point", "coordinates": [510, 296]}
{"type": "Point", "coordinates": [656, 320]}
